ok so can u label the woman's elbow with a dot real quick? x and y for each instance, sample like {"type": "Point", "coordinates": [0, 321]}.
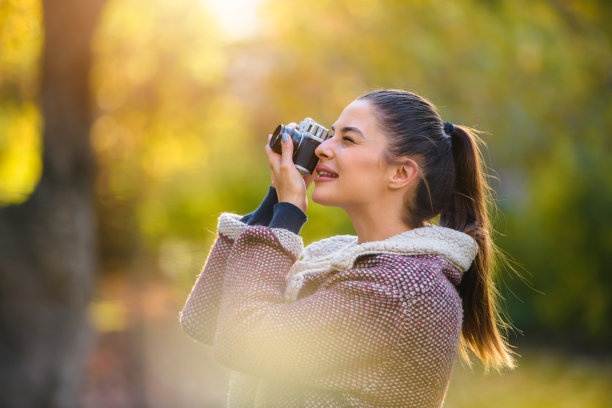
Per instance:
{"type": "Point", "coordinates": [194, 327]}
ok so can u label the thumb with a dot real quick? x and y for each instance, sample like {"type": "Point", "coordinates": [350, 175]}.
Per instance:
{"type": "Point", "coordinates": [287, 149]}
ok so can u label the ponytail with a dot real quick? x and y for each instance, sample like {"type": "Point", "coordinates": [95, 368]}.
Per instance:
{"type": "Point", "coordinates": [454, 186]}
{"type": "Point", "coordinates": [468, 211]}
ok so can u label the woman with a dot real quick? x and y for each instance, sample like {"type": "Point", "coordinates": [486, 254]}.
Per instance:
{"type": "Point", "coordinates": [372, 320]}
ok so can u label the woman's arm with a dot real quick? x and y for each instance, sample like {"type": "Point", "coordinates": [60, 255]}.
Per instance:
{"type": "Point", "coordinates": [351, 322]}
{"type": "Point", "coordinates": [199, 316]}
{"type": "Point", "coordinates": [263, 214]}
{"type": "Point", "coordinates": [277, 215]}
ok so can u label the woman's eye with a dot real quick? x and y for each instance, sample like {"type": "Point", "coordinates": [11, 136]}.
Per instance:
{"type": "Point", "coordinates": [348, 139]}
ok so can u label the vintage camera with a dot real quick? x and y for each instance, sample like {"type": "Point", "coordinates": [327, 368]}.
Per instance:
{"type": "Point", "coordinates": [306, 137]}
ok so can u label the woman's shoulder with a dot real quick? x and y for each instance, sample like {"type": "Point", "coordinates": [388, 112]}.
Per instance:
{"type": "Point", "coordinates": [411, 275]}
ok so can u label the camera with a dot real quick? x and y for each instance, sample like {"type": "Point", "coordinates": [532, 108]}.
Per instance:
{"type": "Point", "coordinates": [306, 137]}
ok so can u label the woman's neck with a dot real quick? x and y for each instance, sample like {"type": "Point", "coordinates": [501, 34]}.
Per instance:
{"type": "Point", "coordinates": [375, 223]}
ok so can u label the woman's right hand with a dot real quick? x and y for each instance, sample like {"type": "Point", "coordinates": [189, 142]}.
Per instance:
{"type": "Point", "coordinates": [290, 185]}
{"type": "Point", "coordinates": [272, 181]}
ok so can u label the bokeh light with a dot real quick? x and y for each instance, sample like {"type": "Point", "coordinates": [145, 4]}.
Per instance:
{"type": "Point", "coordinates": [184, 94]}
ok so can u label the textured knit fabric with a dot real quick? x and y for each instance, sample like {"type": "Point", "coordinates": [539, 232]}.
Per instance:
{"type": "Point", "coordinates": [337, 324]}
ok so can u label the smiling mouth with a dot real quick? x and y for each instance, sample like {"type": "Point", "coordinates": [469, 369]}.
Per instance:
{"type": "Point", "coordinates": [323, 173]}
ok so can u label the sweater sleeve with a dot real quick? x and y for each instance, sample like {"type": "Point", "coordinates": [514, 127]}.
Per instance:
{"type": "Point", "coordinates": [277, 215]}
{"type": "Point", "coordinates": [351, 322]}
{"type": "Point", "coordinates": [263, 214]}
{"type": "Point", "coordinates": [199, 315]}
{"type": "Point", "coordinates": [288, 216]}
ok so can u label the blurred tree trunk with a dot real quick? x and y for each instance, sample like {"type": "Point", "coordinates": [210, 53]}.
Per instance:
{"type": "Point", "coordinates": [47, 245]}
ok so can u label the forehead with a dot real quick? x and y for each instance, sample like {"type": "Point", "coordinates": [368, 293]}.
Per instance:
{"type": "Point", "coordinates": [359, 114]}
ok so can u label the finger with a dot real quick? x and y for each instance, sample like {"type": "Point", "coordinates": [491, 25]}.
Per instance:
{"type": "Point", "coordinates": [273, 157]}
{"type": "Point", "coordinates": [267, 146]}
{"type": "Point", "coordinates": [274, 160]}
{"type": "Point", "coordinates": [287, 150]}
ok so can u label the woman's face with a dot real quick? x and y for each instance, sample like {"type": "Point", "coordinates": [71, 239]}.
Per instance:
{"type": "Point", "coordinates": [355, 155]}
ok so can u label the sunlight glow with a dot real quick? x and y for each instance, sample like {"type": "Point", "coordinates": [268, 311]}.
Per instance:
{"type": "Point", "coordinates": [237, 18]}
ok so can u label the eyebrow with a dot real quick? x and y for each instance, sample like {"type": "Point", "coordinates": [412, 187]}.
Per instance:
{"type": "Point", "coordinates": [350, 129]}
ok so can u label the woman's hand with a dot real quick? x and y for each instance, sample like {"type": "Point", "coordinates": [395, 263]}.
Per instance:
{"type": "Point", "coordinates": [288, 181]}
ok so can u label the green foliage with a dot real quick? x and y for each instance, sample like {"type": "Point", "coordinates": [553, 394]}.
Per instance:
{"type": "Point", "coordinates": [564, 238]}
{"type": "Point", "coordinates": [20, 122]}
{"type": "Point", "coordinates": [183, 111]}
{"type": "Point", "coordinates": [535, 76]}
{"type": "Point", "coordinates": [545, 379]}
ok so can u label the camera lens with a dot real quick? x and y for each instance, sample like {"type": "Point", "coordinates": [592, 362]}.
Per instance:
{"type": "Point", "coordinates": [275, 141]}
{"type": "Point", "coordinates": [306, 137]}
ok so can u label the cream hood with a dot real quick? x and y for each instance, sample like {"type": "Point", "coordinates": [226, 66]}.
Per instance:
{"type": "Point", "coordinates": [340, 252]}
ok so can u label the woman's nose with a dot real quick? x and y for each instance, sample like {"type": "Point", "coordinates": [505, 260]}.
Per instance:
{"type": "Point", "coordinates": [324, 150]}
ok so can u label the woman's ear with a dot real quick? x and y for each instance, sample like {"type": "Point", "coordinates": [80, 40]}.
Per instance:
{"type": "Point", "coordinates": [405, 173]}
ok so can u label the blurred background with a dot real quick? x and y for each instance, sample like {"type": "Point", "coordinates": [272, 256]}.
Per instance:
{"type": "Point", "coordinates": [128, 126]}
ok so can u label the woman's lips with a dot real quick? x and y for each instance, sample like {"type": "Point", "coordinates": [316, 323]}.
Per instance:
{"type": "Point", "coordinates": [324, 173]}
{"type": "Point", "coordinates": [325, 178]}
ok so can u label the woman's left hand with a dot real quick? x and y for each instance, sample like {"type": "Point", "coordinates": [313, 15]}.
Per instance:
{"type": "Point", "coordinates": [288, 181]}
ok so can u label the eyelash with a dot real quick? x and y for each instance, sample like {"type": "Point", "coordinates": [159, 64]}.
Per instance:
{"type": "Point", "coordinates": [344, 138]}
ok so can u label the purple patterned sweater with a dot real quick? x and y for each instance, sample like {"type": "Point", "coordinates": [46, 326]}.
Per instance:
{"type": "Point", "coordinates": [337, 324]}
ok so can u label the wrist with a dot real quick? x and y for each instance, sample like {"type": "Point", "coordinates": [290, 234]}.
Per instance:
{"type": "Point", "coordinates": [289, 216]}
{"type": "Point", "coordinates": [299, 203]}
{"type": "Point", "coordinates": [263, 214]}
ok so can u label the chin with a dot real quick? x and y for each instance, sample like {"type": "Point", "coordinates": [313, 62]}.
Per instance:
{"type": "Point", "coordinates": [322, 199]}
{"type": "Point", "coordinates": [317, 197]}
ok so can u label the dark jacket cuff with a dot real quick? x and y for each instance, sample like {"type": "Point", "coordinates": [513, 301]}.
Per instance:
{"type": "Point", "coordinates": [288, 216]}
{"type": "Point", "coordinates": [263, 214]}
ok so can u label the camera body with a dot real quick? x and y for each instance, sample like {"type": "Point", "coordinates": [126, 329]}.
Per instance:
{"type": "Point", "coordinates": [306, 137]}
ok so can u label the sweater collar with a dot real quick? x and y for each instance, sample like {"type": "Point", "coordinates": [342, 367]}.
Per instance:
{"type": "Point", "coordinates": [342, 250]}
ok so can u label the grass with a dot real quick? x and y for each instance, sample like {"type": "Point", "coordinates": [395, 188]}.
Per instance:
{"type": "Point", "coordinates": [543, 379]}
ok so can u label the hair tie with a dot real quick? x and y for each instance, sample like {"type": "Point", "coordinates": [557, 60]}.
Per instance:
{"type": "Point", "coordinates": [448, 128]}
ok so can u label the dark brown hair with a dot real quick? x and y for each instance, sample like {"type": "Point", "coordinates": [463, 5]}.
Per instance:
{"type": "Point", "coordinates": [452, 185]}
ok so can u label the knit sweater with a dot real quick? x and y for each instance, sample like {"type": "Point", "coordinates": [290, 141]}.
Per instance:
{"type": "Point", "coordinates": [335, 324]}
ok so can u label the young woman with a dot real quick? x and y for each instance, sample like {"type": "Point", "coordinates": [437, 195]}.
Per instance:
{"type": "Point", "coordinates": [372, 320]}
